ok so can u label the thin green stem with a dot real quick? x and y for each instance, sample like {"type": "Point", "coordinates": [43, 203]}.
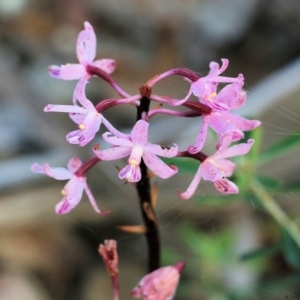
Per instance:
{"type": "Point", "coordinates": [275, 211]}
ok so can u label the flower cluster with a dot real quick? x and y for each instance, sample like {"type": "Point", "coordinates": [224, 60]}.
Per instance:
{"type": "Point", "coordinates": [217, 96]}
{"type": "Point", "coordinates": [214, 106]}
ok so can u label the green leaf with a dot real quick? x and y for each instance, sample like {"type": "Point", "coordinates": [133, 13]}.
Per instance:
{"type": "Point", "coordinates": [269, 182]}
{"type": "Point", "coordinates": [293, 187]}
{"type": "Point", "coordinates": [275, 186]}
{"type": "Point", "coordinates": [280, 148]}
{"type": "Point", "coordinates": [291, 250]}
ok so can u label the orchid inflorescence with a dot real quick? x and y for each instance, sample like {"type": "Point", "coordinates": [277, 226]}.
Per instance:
{"type": "Point", "coordinates": [214, 105]}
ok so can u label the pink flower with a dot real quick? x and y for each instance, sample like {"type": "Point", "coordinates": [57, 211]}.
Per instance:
{"type": "Point", "coordinates": [86, 116]}
{"type": "Point", "coordinates": [73, 190]}
{"type": "Point", "coordinates": [205, 87]}
{"type": "Point", "coordinates": [216, 168]}
{"type": "Point", "coordinates": [221, 120]}
{"type": "Point", "coordinates": [138, 147]}
{"type": "Point", "coordinates": [160, 284]}
{"type": "Point", "coordinates": [86, 52]}
{"type": "Point", "coordinates": [223, 123]}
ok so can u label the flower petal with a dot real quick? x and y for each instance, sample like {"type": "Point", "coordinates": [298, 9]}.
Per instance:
{"type": "Point", "coordinates": [240, 101]}
{"type": "Point", "coordinates": [112, 153]}
{"type": "Point", "coordinates": [73, 191]}
{"type": "Point", "coordinates": [203, 89]}
{"type": "Point", "coordinates": [192, 187]}
{"type": "Point", "coordinates": [231, 95]}
{"type": "Point", "coordinates": [93, 201]}
{"type": "Point", "coordinates": [54, 71]}
{"type": "Point", "coordinates": [228, 96]}
{"type": "Point", "coordinates": [57, 173]}
{"type": "Point", "coordinates": [225, 143]}
{"type": "Point", "coordinates": [139, 133]}
{"type": "Point", "coordinates": [72, 71]}
{"type": "Point", "coordinates": [79, 93]}
{"type": "Point", "coordinates": [219, 123]}
{"type": "Point", "coordinates": [36, 168]}
{"type": "Point", "coordinates": [113, 130]}
{"type": "Point", "coordinates": [74, 164]}
{"type": "Point", "coordinates": [105, 64]}
{"type": "Point", "coordinates": [240, 122]}
{"type": "Point", "coordinates": [90, 125]}
{"type": "Point", "coordinates": [214, 170]}
{"type": "Point", "coordinates": [211, 170]}
{"type": "Point", "coordinates": [236, 150]}
{"type": "Point", "coordinates": [161, 151]}
{"type": "Point", "coordinates": [77, 118]}
{"type": "Point", "coordinates": [226, 186]}
{"type": "Point", "coordinates": [186, 98]}
{"type": "Point", "coordinates": [116, 141]}
{"type": "Point", "coordinates": [65, 109]}
{"type": "Point", "coordinates": [158, 167]}
{"type": "Point", "coordinates": [131, 173]}
{"type": "Point", "coordinates": [201, 136]}
{"type": "Point", "coordinates": [86, 44]}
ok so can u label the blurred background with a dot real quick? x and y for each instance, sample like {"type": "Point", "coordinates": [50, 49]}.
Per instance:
{"type": "Point", "coordinates": [233, 248]}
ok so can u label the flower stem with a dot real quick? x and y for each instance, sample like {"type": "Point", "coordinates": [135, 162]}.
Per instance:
{"type": "Point", "coordinates": [102, 74]}
{"type": "Point", "coordinates": [178, 71]}
{"type": "Point", "coordinates": [144, 192]}
{"type": "Point", "coordinates": [275, 211]}
{"type": "Point", "coordinates": [115, 284]}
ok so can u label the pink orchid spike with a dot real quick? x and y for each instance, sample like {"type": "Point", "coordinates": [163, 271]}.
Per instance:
{"type": "Point", "coordinates": [86, 52]}
{"type": "Point", "coordinates": [216, 168]}
{"type": "Point", "coordinates": [138, 148]}
{"type": "Point", "coordinates": [74, 188]}
{"type": "Point", "coordinates": [160, 284]}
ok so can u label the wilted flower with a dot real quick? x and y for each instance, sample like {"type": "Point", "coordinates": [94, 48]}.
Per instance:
{"type": "Point", "coordinates": [109, 254]}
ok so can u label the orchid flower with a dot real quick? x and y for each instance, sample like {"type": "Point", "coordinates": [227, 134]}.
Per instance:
{"type": "Point", "coordinates": [86, 52]}
{"type": "Point", "coordinates": [206, 86]}
{"type": "Point", "coordinates": [223, 123]}
{"type": "Point", "coordinates": [86, 116]}
{"type": "Point", "coordinates": [73, 190]}
{"type": "Point", "coordinates": [160, 284]}
{"type": "Point", "coordinates": [221, 120]}
{"type": "Point", "coordinates": [138, 148]}
{"type": "Point", "coordinates": [216, 168]}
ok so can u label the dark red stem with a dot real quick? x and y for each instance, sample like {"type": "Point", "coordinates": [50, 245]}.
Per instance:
{"type": "Point", "coordinates": [86, 166]}
{"type": "Point", "coordinates": [144, 192]}
{"type": "Point", "coordinates": [200, 156]}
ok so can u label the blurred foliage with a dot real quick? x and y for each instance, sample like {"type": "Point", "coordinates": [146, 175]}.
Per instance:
{"type": "Point", "coordinates": [275, 266]}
